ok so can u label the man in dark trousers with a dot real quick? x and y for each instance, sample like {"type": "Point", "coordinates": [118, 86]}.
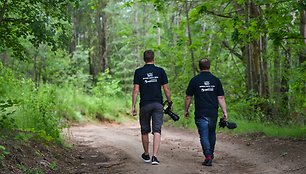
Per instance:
{"type": "Point", "coordinates": [148, 80]}
{"type": "Point", "coordinates": [208, 93]}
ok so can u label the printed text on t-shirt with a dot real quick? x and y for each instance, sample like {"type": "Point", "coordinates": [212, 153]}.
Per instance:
{"type": "Point", "coordinates": [150, 78]}
{"type": "Point", "coordinates": [207, 87]}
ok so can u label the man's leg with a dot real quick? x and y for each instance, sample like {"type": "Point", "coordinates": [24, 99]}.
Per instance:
{"type": "Point", "coordinates": [202, 125]}
{"type": "Point", "coordinates": [157, 122]}
{"type": "Point", "coordinates": [156, 143]}
{"type": "Point", "coordinates": [145, 143]}
{"type": "Point", "coordinates": [212, 134]}
{"type": "Point", "coordinates": [145, 130]}
{"type": "Point", "coordinates": [203, 128]}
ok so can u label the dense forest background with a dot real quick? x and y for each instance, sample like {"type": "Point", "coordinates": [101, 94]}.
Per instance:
{"type": "Point", "coordinates": [73, 60]}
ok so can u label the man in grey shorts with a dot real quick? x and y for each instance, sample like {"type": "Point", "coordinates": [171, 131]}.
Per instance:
{"type": "Point", "coordinates": [148, 80]}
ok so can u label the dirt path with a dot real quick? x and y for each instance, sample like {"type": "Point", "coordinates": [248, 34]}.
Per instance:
{"type": "Point", "coordinates": [117, 149]}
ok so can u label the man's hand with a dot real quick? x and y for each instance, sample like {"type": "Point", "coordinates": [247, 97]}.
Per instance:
{"type": "Point", "coordinates": [186, 114]}
{"type": "Point", "coordinates": [134, 97]}
{"type": "Point", "coordinates": [134, 111]}
{"type": "Point", "coordinates": [187, 104]}
{"type": "Point", "coordinates": [170, 103]}
{"type": "Point", "coordinates": [225, 117]}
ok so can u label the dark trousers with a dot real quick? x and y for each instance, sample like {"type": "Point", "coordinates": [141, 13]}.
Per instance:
{"type": "Point", "coordinates": [154, 112]}
{"type": "Point", "coordinates": [207, 131]}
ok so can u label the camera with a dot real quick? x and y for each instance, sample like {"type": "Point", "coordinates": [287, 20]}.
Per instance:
{"type": "Point", "coordinates": [229, 125]}
{"type": "Point", "coordinates": [168, 111]}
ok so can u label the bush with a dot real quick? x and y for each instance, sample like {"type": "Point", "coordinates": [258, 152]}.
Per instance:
{"type": "Point", "coordinates": [23, 106]}
{"type": "Point", "coordinates": [37, 111]}
{"type": "Point", "coordinates": [107, 86]}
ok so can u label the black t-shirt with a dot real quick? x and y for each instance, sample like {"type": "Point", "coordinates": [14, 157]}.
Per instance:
{"type": "Point", "coordinates": [206, 88]}
{"type": "Point", "coordinates": [150, 78]}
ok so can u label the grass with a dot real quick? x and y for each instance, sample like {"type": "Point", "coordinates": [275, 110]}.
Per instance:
{"type": "Point", "coordinates": [270, 130]}
{"type": "Point", "coordinates": [115, 109]}
{"type": "Point", "coordinates": [81, 107]}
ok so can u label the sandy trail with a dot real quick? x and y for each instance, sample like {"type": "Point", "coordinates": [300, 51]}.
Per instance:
{"type": "Point", "coordinates": [180, 152]}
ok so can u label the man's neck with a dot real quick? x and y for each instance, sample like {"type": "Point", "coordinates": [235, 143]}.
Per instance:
{"type": "Point", "coordinates": [149, 63]}
{"type": "Point", "coordinates": [204, 70]}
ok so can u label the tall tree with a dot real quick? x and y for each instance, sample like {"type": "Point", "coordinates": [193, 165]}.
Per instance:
{"type": "Point", "coordinates": [187, 6]}
{"type": "Point", "coordinates": [303, 29]}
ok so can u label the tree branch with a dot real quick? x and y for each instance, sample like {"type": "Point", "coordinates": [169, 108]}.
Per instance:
{"type": "Point", "coordinates": [220, 15]}
{"type": "Point", "coordinates": [278, 2]}
{"type": "Point", "coordinates": [300, 38]}
{"type": "Point", "coordinates": [227, 15]}
{"type": "Point", "coordinates": [232, 50]}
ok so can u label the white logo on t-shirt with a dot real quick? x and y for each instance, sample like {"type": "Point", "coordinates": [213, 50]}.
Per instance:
{"type": "Point", "coordinates": [207, 87]}
{"type": "Point", "coordinates": [150, 78]}
{"type": "Point", "coordinates": [150, 74]}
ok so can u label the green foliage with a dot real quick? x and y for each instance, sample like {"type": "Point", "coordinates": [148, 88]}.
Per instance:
{"type": "Point", "coordinates": [28, 170]}
{"type": "Point", "coordinates": [8, 104]}
{"type": "Point", "coordinates": [39, 19]}
{"type": "Point", "coordinates": [249, 108]}
{"type": "Point", "coordinates": [107, 86]}
{"type": "Point", "coordinates": [75, 105]}
{"type": "Point", "coordinates": [53, 166]}
{"type": "Point", "coordinates": [77, 67]}
{"type": "Point", "coordinates": [32, 109]}
{"type": "Point", "coordinates": [6, 109]}
{"type": "Point", "coordinates": [114, 109]}
{"type": "Point", "coordinates": [297, 93]}
{"type": "Point", "coordinates": [37, 111]}
{"type": "Point", "coordinates": [3, 153]}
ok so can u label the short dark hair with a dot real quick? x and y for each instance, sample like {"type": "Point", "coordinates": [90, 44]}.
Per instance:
{"type": "Point", "coordinates": [204, 64]}
{"type": "Point", "coordinates": [148, 56]}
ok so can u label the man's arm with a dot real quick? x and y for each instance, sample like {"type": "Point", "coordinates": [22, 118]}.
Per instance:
{"type": "Point", "coordinates": [222, 103]}
{"type": "Point", "coordinates": [167, 92]}
{"type": "Point", "coordinates": [187, 104]}
{"type": "Point", "coordinates": [134, 99]}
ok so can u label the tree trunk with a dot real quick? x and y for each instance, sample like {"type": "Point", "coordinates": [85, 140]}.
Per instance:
{"type": "Point", "coordinates": [144, 29]}
{"type": "Point", "coordinates": [75, 20]}
{"type": "Point", "coordinates": [104, 61]}
{"type": "Point", "coordinates": [36, 74]}
{"type": "Point", "coordinates": [101, 30]}
{"type": "Point", "coordinates": [158, 33]}
{"type": "Point", "coordinates": [263, 74]}
{"type": "Point", "coordinates": [137, 33]}
{"type": "Point", "coordinates": [256, 64]}
{"type": "Point", "coordinates": [4, 58]}
{"type": "Point", "coordinates": [190, 39]}
{"type": "Point", "coordinates": [276, 82]}
{"type": "Point", "coordinates": [303, 34]}
{"type": "Point", "coordinates": [2, 10]}
{"type": "Point", "coordinates": [284, 81]}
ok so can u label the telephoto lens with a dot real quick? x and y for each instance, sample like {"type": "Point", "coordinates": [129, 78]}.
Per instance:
{"type": "Point", "coordinates": [172, 115]}
{"type": "Point", "coordinates": [168, 111]}
{"type": "Point", "coordinates": [229, 125]}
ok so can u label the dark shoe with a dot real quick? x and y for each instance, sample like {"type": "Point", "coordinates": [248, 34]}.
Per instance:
{"type": "Point", "coordinates": [207, 162]}
{"type": "Point", "coordinates": [146, 158]}
{"type": "Point", "coordinates": [154, 160]}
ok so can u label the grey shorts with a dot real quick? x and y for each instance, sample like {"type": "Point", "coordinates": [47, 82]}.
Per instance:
{"type": "Point", "coordinates": [154, 111]}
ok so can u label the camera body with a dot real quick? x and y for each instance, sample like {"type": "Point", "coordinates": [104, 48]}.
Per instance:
{"type": "Point", "coordinates": [168, 111]}
{"type": "Point", "coordinates": [229, 125]}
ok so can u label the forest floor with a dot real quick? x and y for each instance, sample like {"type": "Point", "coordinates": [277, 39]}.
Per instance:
{"type": "Point", "coordinates": [116, 148]}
